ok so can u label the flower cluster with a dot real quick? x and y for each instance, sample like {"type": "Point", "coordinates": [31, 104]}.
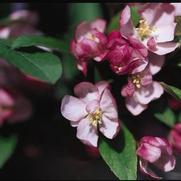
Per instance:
{"type": "Point", "coordinates": [14, 106]}
{"type": "Point", "coordinates": [137, 51]}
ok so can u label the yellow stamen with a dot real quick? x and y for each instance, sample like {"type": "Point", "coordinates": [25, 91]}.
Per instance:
{"type": "Point", "coordinates": [136, 79]}
{"type": "Point", "coordinates": [144, 29]}
{"type": "Point", "coordinates": [90, 36]}
{"type": "Point", "coordinates": [95, 118]}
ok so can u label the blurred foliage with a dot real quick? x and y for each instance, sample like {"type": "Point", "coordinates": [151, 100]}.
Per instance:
{"type": "Point", "coordinates": [7, 147]}
{"type": "Point", "coordinates": [167, 117]}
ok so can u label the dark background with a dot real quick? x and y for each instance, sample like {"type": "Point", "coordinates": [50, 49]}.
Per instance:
{"type": "Point", "coordinates": [47, 146]}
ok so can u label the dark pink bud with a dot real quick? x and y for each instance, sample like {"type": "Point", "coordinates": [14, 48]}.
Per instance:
{"type": "Point", "coordinates": [175, 137]}
{"type": "Point", "coordinates": [156, 151]}
{"type": "Point", "coordinates": [89, 43]}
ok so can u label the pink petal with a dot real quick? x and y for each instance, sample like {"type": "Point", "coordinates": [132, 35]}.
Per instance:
{"type": "Point", "coordinates": [5, 32]}
{"type": "Point", "coordinates": [127, 28]}
{"type": "Point", "coordinates": [92, 106]}
{"type": "Point", "coordinates": [5, 101]}
{"type": "Point", "coordinates": [149, 93]}
{"type": "Point", "coordinates": [86, 133]}
{"type": "Point", "coordinates": [5, 98]}
{"type": "Point", "coordinates": [164, 48]}
{"type": "Point", "coordinates": [128, 89]}
{"type": "Point", "coordinates": [72, 108]}
{"type": "Point", "coordinates": [158, 15]}
{"type": "Point", "coordinates": [149, 152]}
{"type": "Point", "coordinates": [146, 170]}
{"type": "Point", "coordinates": [86, 91]}
{"type": "Point", "coordinates": [140, 67]}
{"type": "Point", "coordinates": [156, 62]}
{"type": "Point", "coordinates": [108, 105]}
{"type": "Point", "coordinates": [134, 106]}
{"type": "Point", "coordinates": [177, 7]}
{"type": "Point", "coordinates": [109, 128]}
{"type": "Point", "coordinates": [166, 163]}
{"type": "Point", "coordinates": [99, 24]}
{"type": "Point", "coordinates": [164, 15]}
{"type": "Point", "coordinates": [81, 30]}
{"type": "Point", "coordinates": [102, 85]}
{"type": "Point", "coordinates": [165, 32]}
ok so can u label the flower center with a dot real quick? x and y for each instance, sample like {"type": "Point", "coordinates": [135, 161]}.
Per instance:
{"type": "Point", "coordinates": [95, 118]}
{"type": "Point", "coordinates": [92, 37]}
{"type": "Point", "coordinates": [144, 30]}
{"type": "Point", "coordinates": [136, 79]}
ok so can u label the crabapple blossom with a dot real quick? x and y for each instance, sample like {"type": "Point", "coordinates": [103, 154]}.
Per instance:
{"type": "Point", "coordinates": [13, 107]}
{"type": "Point", "coordinates": [125, 55]}
{"type": "Point", "coordinates": [175, 137]}
{"type": "Point", "coordinates": [155, 29]}
{"type": "Point", "coordinates": [140, 91]}
{"type": "Point", "coordinates": [93, 109]}
{"type": "Point", "coordinates": [89, 43]}
{"type": "Point", "coordinates": [20, 22]}
{"type": "Point", "coordinates": [156, 151]}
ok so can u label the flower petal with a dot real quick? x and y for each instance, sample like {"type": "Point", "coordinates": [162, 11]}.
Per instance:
{"type": "Point", "coordinates": [81, 30]}
{"type": "Point", "coordinates": [134, 106]}
{"type": "Point", "coordinates": [164, 48]}
{"type": "Point", "coordinates": [166, 163]}
{"type": "Point", "coordinates": [109, 128]}
{"type": "Point", "coordinates": [86, 91]}
{"type": "Point", "coordinates": [156, 62]}
{"type": "Point", "coordinates": [149, 93]}
{"type": "Point", "coordinates": [146, 170]}
{"type": "Point", "coordinates": [102, 85]}
{"type": "Point", "coordinates": [86, 133]}
{"type": "Point", "coordinates": [127, 28]}
{"type": "Point", "coordinates": [72, 108]}
{"type": "Point", "coordinates": [99, 24]}
{"type": "Point", "coordinates": [164, 36]}
{"type": "Point", "coordinates": [149, 152]}
{"type": "Point", "coordinates": [177, 7]}
{"type": "Point", "coordinates": [108, 105]}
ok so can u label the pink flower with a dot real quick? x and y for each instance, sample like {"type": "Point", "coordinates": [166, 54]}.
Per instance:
{"type": "Point", "coordinates": [140, 91]}
{"type": "Point", "coordinates": [175, 137]}
{"type": "Point", "coordinates": [94, 109]}
{"type": "Point", "coordinates": [174, 7]}
{"type": "Point", "coordinates": [6, 105]}
{"type": "Point", "coordinates": [89, 43]}
{"type": "Point", "coordinates": [20, 22]}
{"type": "Point", "coordinates": [125, 55]}
{"type": "Point", "coordinates": [155, 30]}
{"type": "Point", "coordinates": [156, 151]}
{"type": "Point", "coordinates": [15, 107]}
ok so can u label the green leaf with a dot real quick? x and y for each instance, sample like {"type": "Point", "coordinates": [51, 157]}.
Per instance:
{"type": "Point", "coordinates": [121, 159]}
{"type": "Point", "coordinates": [114, 23]}
{"type": "Point", "coordinates": [167, 117]}
{"type": "Point", "coordinates": [134, 15]}
{"type": "Point", "coordinates": [44, 66]}
{"type": "Point", "coordinates": [37, 40]}
{"type": "Point", "coordinates": [84, 12]}
{"type": "Point", "coordinates": [69, 66]}
{"type": "Point", "coordinates": [178, 27]}
{"type": "Point", "coordinates": [174, 91]}
{"type": "Point", "coordinates": [7, 41]}
{"type": "Point", "coordinates": [7, 147]}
